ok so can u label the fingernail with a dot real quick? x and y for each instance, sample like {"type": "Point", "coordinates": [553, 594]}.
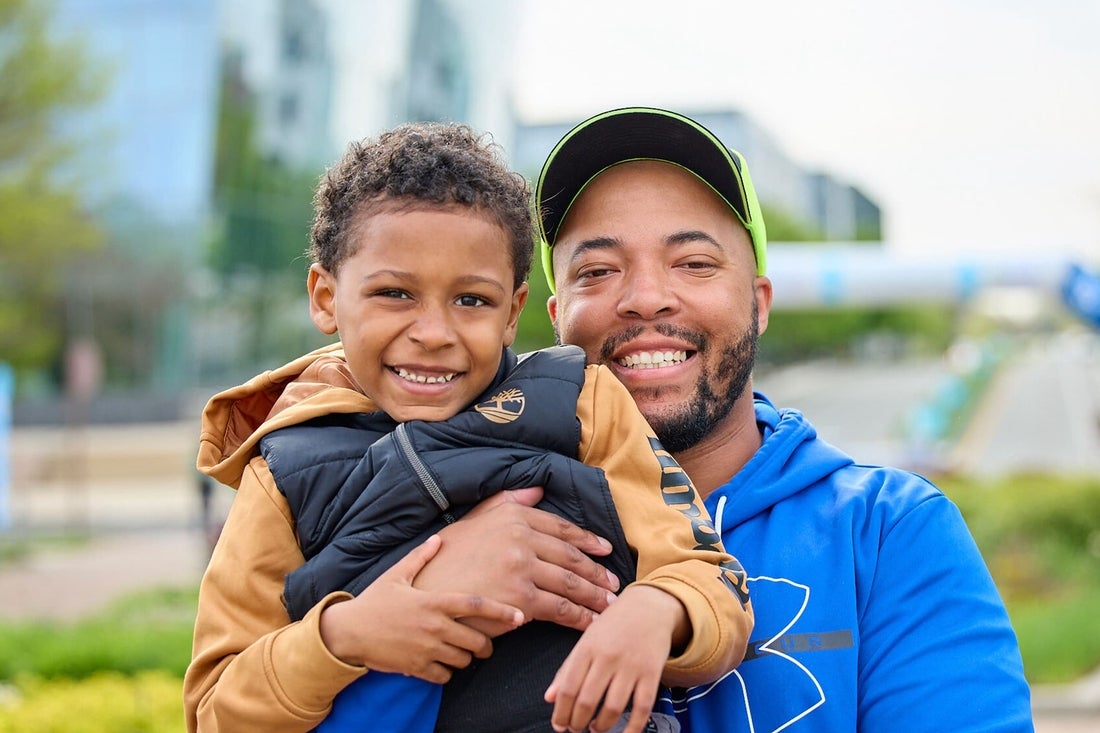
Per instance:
{"type": "Point", "coordinates": [604, 544]}
{"type": "Point", "coordinates": [613, 579]}
{"type": "Point", "coordinates": [611, 598]}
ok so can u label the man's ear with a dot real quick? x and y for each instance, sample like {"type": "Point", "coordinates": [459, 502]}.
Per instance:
{"type": "Point", "coordinates": [552, 308]}
{"type": "Point", "coordinates": [321, 285]}
{"type": "Point", "coordinates": [762, 291]}
{"type": "Point", "coordinates": [519, 299]}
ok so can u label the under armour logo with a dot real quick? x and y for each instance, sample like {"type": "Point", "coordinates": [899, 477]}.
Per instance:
{"type": "Point", "coordinates": [504, 407]}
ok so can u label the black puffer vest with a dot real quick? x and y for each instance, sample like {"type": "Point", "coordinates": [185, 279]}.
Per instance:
{"type": "Point", "coordinates": [365, 490]}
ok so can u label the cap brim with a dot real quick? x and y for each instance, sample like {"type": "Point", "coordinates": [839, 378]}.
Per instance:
{"type": "Point", "coordinates": [628, 134]}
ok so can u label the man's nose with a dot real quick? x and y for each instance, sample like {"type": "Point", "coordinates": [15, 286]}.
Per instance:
{"type": "Point", "coordinates": [647, 293]}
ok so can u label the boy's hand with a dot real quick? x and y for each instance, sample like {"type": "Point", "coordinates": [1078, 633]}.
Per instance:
{"type": "Point", "coordinates": [617, 662]}
{"type": "Point", "coordinates": [393, 627]}
{"type": "Point", "coordinates": [534, 560]}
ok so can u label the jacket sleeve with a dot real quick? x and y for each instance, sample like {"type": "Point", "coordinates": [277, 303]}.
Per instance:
{"type": "Point", "coordinates": [668, 528]}
{"type": "Point", "coordinates": [251, 668]}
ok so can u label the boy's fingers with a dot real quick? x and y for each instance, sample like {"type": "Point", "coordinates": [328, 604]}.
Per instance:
{"type": "Point", "coordinates": [475, 606]}
{"type": "Point", "coordinates": [408, 567]}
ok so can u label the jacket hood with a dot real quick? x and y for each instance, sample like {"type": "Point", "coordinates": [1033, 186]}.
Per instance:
{"type": "Point", "coordinates": [316, 384]}
{"type": "Point", "coordinates": [790, 461]}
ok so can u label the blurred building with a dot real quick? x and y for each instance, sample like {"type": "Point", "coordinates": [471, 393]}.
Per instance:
{"type": "Point", "coordinates": [145, 154]}
{"type": "Point", "coordinates": [839, 211]}
{"type": "Point", "coordinates": [330, 71]}
{"type": "Point", "coordinates": [154, 132]}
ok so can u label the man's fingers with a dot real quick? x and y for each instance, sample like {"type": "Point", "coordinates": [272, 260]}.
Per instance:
{"type": "Point", "coordinates": [570, 572]}
{"type": "Point", "coordinates": [525, 497]}
{"type": "Point", "coordinates": [564, 530]}
{"type": "Point", "coordinates": [551, 607]}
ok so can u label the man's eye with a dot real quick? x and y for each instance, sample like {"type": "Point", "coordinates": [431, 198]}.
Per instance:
{"type": "Point", "coordinates": [592, 272]}
{"type": "Point", "coordinates": [698, 265]}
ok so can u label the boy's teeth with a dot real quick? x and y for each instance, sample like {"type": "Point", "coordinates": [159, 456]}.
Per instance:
{"type": "Point", "coordinates": [405, 374]}
{"type": "Point", "coordinates": [653, 359]}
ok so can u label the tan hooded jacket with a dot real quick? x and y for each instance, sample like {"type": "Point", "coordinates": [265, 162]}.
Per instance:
{"type": "Point", "coordinates": [252, 669]}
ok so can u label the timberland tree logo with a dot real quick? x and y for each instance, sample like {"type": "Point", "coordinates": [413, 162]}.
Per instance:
{"type": "Point", "coordinates": [504, 407]}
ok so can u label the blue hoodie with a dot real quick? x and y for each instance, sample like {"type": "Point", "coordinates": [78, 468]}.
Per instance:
{"type": "Point", "coordinates": [874, 608]}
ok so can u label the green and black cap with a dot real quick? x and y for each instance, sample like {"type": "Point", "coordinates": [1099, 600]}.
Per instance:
{"type": "Point", "coordinates": [642, 133]}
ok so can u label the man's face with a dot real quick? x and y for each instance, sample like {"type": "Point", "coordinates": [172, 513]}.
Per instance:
{"type": "Point", "coordinates": [656, 279]}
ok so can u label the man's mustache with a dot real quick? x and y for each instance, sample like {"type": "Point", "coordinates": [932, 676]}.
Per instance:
{"type": "Point", "coordinates": [615, 341]}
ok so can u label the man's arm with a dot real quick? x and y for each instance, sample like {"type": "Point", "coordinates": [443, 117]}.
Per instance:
{"type": "Point", "coordinates": [937, 649]}
{"type": "Point", "coordinates": [507, 550]}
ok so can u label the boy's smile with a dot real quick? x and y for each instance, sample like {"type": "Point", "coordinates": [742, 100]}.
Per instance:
{"type": "Point", "coordinates": [423, 306]}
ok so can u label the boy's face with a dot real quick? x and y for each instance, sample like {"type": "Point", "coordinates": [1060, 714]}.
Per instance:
{"type": "Point", "coordinates": [423, 308]}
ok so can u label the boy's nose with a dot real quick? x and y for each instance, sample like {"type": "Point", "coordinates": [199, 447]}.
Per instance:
{"type": "Point", "coordinates": [432, 329]}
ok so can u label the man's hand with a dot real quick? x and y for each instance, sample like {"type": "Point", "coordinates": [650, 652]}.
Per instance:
{"type": "Point", "coordinates": [534, 560]}
{"type": "Point", "coordinates": [393, 627]}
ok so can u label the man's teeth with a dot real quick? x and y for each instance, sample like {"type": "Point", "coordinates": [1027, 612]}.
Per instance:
{"type": "Point", "coordinates": [405, 374]}
{"type": "Point", "coordinates": [653, 360]}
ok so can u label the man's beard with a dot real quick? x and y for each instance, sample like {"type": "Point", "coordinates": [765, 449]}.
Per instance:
{"type": "Point", "coordinates": [700, 413]}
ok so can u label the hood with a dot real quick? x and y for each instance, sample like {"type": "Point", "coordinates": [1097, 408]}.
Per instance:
{"type": "Point", "coordinates": [233, 421]}
{"type": "Point", "coordinates": [790, 460]}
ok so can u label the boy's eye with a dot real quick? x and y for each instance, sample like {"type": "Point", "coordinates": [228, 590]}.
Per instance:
{"type": "Point", "coordinates": [471, 301]}
{"type": "Point", "coordinates": [392, 293]}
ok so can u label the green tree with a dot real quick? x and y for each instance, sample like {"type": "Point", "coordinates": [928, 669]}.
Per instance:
{"type": "Point", "coordinates": [43, 223]}
{"type": "Point", "coordinates": [258, 253]}
{"type": "Point", "coordinates": [265, 205]}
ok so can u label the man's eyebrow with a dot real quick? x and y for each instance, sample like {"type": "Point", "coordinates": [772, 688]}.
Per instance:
{"type": "Point", "coordinates": [691, 235]}
{"type": "Point", "coordinates": [596, 243]}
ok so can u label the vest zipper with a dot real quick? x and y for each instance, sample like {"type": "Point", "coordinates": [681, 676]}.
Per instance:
{"type": "Point", "coordinates": [401, 435]}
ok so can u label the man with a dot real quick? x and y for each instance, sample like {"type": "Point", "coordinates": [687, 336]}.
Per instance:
{"type": "Point", "coordinates": [874, 609]}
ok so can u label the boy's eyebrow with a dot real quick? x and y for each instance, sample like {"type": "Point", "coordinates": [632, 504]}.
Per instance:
{"type": "Point", "coordinates": [480, 279]}
{"type": "Point", "coordinates": [412, 276]}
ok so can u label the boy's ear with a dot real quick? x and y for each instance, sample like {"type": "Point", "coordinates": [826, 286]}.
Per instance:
{"type": "Point", "coordinates": [519, 299]}
{"type": "Point", "coordinates": [321, 285]}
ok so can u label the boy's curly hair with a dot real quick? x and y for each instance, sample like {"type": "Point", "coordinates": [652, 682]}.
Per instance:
{"type": "Point", "coordinates": [432, 165]}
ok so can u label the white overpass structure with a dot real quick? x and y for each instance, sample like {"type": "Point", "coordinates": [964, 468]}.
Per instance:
{"type": "Point", "coordinates": [865, 274]}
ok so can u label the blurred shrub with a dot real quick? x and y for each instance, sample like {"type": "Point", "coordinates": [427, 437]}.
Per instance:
{"type": "Point", "coordinates": [150, 631]}
{"type": "Point", "coordinates": [1050, 524]}
{"type": "Point", "coordinates": [797, 334]}
{"type": "Point", "coordinates": [107, 702]}
{"type": "Point", "coordinates": [1040, 536]}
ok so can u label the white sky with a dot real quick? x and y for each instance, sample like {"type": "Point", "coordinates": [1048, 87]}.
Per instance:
{"type": "Point", "coordinates": [974, 123]}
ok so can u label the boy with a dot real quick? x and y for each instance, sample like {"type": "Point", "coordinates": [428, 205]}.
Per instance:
{"type": "Point", "coordinates": [351, 456]}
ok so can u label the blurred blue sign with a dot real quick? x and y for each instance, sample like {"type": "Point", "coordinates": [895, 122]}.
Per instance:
{"type": "Point", "coordinates": [7, 388]}
{"type": "Point", "coordinates": [1081, 294]}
